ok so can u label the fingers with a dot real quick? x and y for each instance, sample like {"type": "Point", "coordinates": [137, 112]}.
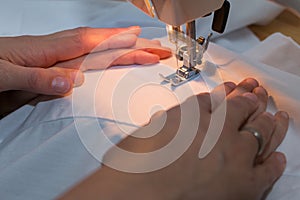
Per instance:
{"type": "Point", "coordinates": [262, 95]}
{"type": "Point", "coordinates": [248, 89]}
{"type": "Point", "coordinates": [272, 130]}
{"type": "Point", "coordinates": [116, 42]}
{"type": "Point", "coordinates": [246, 85]}
{"type": "Point", "coordinates": [219, 94]}
{"type": "Point", "coordinates": [237, 110]}
{"type": "Point", "coordinates": [52, 81]}
{"type": "Point", "coordinates": [280, 129]}
{"type": "Point", "coordinates": [264, 125]}
{"type": "Point", "coordinates": [231, 90]}
{"type": "Point", "coordinates": [251, 85]}
{"type": "Point", "coordinates": [137, 57]}
{"type": "Point", "coordinates": [162, 52]}
{"type": "Point", "coordinates": [269, 171]}
{"type": "Point", "coordinates": [210, 101]}
{"type": "Point", "coordinates": [45, 51]}
{"type": "Point", "coordinates": [84, 40]}
{"type": "Point", "coordinates": [106, 32]}
{"type": "Point", "coordinates": [240, 108]}
{"type": "Point", "coordinates": [105, 59]}
{"type": "Point", "coordinates": [154, 47]}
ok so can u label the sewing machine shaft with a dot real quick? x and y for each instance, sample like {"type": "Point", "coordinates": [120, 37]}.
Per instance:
{"type": "Point", "coordinates": [189, 49]}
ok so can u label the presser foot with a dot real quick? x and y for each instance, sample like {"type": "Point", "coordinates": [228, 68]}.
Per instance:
{"type": "Point", "coordinates": [182, 75]}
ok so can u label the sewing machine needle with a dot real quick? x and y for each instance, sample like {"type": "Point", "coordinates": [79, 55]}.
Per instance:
{"type": "Point", "coordinates": [176, 46]}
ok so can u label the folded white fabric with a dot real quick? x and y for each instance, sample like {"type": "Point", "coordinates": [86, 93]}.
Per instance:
{"type": "Point", "coordinates": [277, 51]}
{"type": "Point", "coordinates": [282, 53]}
{"type": "Point", "coordinates": [56, 144]}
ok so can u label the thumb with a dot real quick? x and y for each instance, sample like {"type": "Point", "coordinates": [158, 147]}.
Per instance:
{"type": "Point", "coordinates": [270, 170]}
{"type": "Point", "coordinates": [50, 81]}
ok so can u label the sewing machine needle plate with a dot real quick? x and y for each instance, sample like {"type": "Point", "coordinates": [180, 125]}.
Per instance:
{"type": "Point", "coordinates": [177, 80]}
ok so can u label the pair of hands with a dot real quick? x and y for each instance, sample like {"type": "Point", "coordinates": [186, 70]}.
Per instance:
{"type": "Point", "coordinates": [231, 170]}
{"type": "Point", "coordinates": [53, 64]}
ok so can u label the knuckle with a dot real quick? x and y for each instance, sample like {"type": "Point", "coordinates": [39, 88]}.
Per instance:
{"type": "Point", "coordinates": [79, 38]}
{"type": "Point", "coordinates": [36, 54]}
{"type": "Point", "coordinates": [242, 105]}
{"type": "Point", "coordinates": [235, 101]}
{"type": "Point", "coordinates": [204, 97]}
{"type": "Point", "coordinates": [264, 124]}
{"type": "Point", "coordinates": [244, 86]}
{"type": "Point", "coordinates": [240, 102]}
{"type": "Point", "coordinates": [267, 123]}
{"type": "Point", "coordinates": [45, 58]}
{"type": "Point", "coordinates": [34, 79]}
{"type": "Point", "coordinates": [4, 76]}
{"type": "Point", "coordinates": [204, 100]}
{"type": "Point", "coordinates": [268, 117]}
{"type": "Point", "coordinates": [31, 51]}
{"type": "Point", "coordinates": [81, 31]}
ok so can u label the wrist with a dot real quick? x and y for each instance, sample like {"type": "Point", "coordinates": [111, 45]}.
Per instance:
{"type": "Point", "coordinates": [110, 184]}
{"type": "Point", "coordinates": [129, 186]}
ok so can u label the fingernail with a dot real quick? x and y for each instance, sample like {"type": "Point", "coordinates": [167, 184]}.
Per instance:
{"type": "Point", "coordinates": [261, 90]}
{"type": "Point", "coordinates": [252, 81]}
{"type": "Point", "coordinates": [251, 96]}
{"type": "Point", "coordinates": [284, 114]}
{"type": "Point", "coordinates": [230, 84]}
{"type": "Point", "coordinates": [61, 84]}
{"type": "Point", "coordinates": [77, 78]}
{"type": "Point", "coordinates": [281, 158]}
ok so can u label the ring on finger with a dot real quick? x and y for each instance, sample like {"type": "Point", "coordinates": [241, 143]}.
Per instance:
{"type": "Point", "coordinates": [259, 138]}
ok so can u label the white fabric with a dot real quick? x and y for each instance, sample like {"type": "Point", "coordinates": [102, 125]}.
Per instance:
{"type": "Point", "coordinates": [279, 53]}
{"type": "Point", "coordinates": [238, 41]}
{"type": "Point", "coordinates": [44, 155]}
{"type": "Point", "coordinates": [41, 154]}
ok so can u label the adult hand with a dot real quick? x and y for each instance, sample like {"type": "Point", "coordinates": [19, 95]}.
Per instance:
{"type": "Point", "coordinates": [41, 64]}
{"type": "Point", "coordinates": [230, 170]}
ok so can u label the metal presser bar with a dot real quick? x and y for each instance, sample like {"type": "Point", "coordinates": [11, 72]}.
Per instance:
{"type": "Point", "coordinates": [175, 14]}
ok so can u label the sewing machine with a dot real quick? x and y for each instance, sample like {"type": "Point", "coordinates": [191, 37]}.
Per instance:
{"type": "Point", "coordinates": [176, 13]}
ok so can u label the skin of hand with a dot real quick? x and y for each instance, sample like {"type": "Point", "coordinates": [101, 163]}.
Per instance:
{"type": "Point", "coordinates": [43, 64]}
{"type": "Point", "coordinates": [232, 170]}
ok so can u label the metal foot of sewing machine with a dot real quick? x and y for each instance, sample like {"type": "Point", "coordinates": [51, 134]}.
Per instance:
{"type": "Point", "coordinates": [180, 16]}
